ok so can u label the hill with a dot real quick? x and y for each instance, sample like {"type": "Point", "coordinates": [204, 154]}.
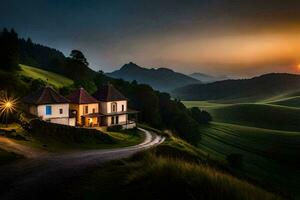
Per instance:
{"type": "Point", "coordinates": [162, 79]}
{"type": "Point", "coordinates": [50, 59]}
{"type": "Point", "coordinates": [206, 78]}
{"type": "Point", "coordinates": [265, 136]}
{"type": "Point", "coordinates": [268, 156]}
{"type": "Point", "coordinates": [52, 78]}
{"type": "Point", "coordinates": [242, 90]}
{"type": "Point", "coordinates": [289, 101]}
{"type": "Point", "coordinates": [258, 115]}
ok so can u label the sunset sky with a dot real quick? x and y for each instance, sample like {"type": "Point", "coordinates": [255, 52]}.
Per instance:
{"type": "Point", "coordinates": [227, 37]}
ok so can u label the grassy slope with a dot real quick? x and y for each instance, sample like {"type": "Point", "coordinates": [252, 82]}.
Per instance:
{"type": "Point", "coordinates": [50, 77]}
{"type": "Point", "coordinates": [157, 174]}
{"type": "Point", "coordinates": [290, 102]}
{"type": "Point", "coordinates": [258, 115]}
{"type": "Point", "coordinates": [269, 155]}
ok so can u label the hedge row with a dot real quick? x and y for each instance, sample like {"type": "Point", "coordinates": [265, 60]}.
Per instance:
{"type": "Point", "coordinates": [67, 134]}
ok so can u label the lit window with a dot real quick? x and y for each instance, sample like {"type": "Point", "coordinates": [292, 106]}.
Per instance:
{"type": "Point", "coordinates": [94, 110]}
{"type": "Point", "coordinates": [48, 110]}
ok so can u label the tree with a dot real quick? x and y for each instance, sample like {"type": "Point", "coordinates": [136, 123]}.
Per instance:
{"type": "Point", "coordinates": [201, 116]}
{"type": "Point", "coordinates": [9, 57]}
{"type": "Point", "coordinates": [78, 56]}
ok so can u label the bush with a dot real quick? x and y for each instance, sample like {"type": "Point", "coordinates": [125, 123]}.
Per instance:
{"type": "Point", "coordinates": [68, 134]}
{"type": "Point", "coordinates": [201, 116]}
{"type": "Point", "coordinates": [116, 128]}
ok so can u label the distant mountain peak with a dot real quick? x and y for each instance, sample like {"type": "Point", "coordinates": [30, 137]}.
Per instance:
{"type": "Point", "coordinates": [130, 66]}
{"type": "Point", "coordinates": [163, 79]}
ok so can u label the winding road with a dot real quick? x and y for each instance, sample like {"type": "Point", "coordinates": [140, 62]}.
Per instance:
{"type": "Point", "coordinates": [28, 178]}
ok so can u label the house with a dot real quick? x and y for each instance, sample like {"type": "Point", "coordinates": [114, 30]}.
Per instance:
{"type": "Point", "coordinates": [48, 105]}
{"type": "Point", "coordinates": [113, 107]}
{"type": "Point", "coordinates": [85, 107]}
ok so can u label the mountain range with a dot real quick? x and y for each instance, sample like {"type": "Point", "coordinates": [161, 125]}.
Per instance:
{"type": "Point", "coordinates": [162, 79]}
{"type": "Point", "coordinates": [242, 90]}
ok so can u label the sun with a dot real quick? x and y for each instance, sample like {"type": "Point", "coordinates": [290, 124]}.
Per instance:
{"type": "Point", "coordinates": [298, 66]}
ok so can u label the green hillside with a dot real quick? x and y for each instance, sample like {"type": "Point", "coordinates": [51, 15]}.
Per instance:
{"type": "Point", "coordinates": [290, 102]}
{"type": "Point", "coordinates": [269, 157]}
{"type": "Point", "coordinates": [267, 136]}
{"type": "Point", "coordinates": [258, 115]}
{"type": "Point", "coordinates": [47, 76]}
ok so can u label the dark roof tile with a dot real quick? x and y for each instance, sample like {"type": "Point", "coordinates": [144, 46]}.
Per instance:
{"type": "Point", "coordinates": [81, 96]}
{"type": "Point", "coordinates": [109, 93]}
{"type": "Point", "coordinates": [45, 95]}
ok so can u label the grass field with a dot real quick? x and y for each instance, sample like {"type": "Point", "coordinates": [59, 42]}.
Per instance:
{"type": "Point", "coordinates": [151, 176]}
{"type": "Point", "coordinates": [266, 135]}
{"type": "Point", "coordinates": [52, 78]}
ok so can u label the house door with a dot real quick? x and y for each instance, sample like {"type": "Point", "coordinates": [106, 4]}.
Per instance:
{"type": "Point", "coordinates": [112, 120]}
{"type": "Point", "coordinates": [117, 119]}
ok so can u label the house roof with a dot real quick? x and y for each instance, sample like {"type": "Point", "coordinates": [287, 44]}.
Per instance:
{"type": "Point", "coordinates": [81, 96]}
{"type": "Point", "coordinates": [109, 93]}
{"type": "Point", "coordinates": [45, 95]}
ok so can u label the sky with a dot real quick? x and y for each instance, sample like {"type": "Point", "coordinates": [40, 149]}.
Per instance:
{"type": "Point", "coordinates": [237, 38]}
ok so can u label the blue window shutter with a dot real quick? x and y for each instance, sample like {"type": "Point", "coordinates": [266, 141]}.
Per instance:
{"type": "Point", "coordinates": [48, 110]}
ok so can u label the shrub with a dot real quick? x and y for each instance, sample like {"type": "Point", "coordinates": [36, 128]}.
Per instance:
{"type": "Point", "coordinates": [201, 116]}
{"type": "Point", "coordinates": [68, 134]}
{"type": "Point", "coordinates": [115, 128]}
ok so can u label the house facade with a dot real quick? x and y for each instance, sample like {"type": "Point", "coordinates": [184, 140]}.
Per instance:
{"type": "Point", "coordinates": [50, 106]}
{"type": "Point", "coordinates": [113, 107]}
{"type": "Point", "coordinates": [85, 107]}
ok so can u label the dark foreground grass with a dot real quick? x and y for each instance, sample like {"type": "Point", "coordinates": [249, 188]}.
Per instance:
{"type": "Point", "coordinates": [173, 170]}
{"type": "Point", "coordinates": [148, 176]}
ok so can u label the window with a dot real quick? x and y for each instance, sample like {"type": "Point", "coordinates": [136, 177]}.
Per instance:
{"type": "Point", "coordinates": [94, 110]}
{"type": "Point", "coordinates": [114, 107]}
{"type": "Point", "coordinates": [122, 107]}
{"type": "Point", "coordinates": [60, 111]}
{"type": "Point", "coordinates": [48, 110]}
{"type": "Point", "coordinates": [86, 109]}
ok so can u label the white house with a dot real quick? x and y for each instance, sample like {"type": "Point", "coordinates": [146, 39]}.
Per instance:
{"type": "Point", "coordinates": [50, 106]}
{"type": "Point", "coordinates": [113, 107]}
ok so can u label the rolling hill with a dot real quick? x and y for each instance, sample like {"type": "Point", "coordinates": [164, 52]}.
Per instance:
{"type": "Point", "coordinates": [162, 79]}
{"type": "Point", "coordinates": [266, 136]}
{"type": "Point", "coordinates": [242, 90]}
{"type": "Point", "coordinates": [52, 78]}
{"type": "Point", "coordinates": [258, 115]}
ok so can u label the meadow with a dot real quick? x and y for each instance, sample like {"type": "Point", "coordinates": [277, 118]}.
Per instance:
{"type": "Point", "coordinates": [52, 78]}
{"type": "Point", "coordinates": [265, 135]}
